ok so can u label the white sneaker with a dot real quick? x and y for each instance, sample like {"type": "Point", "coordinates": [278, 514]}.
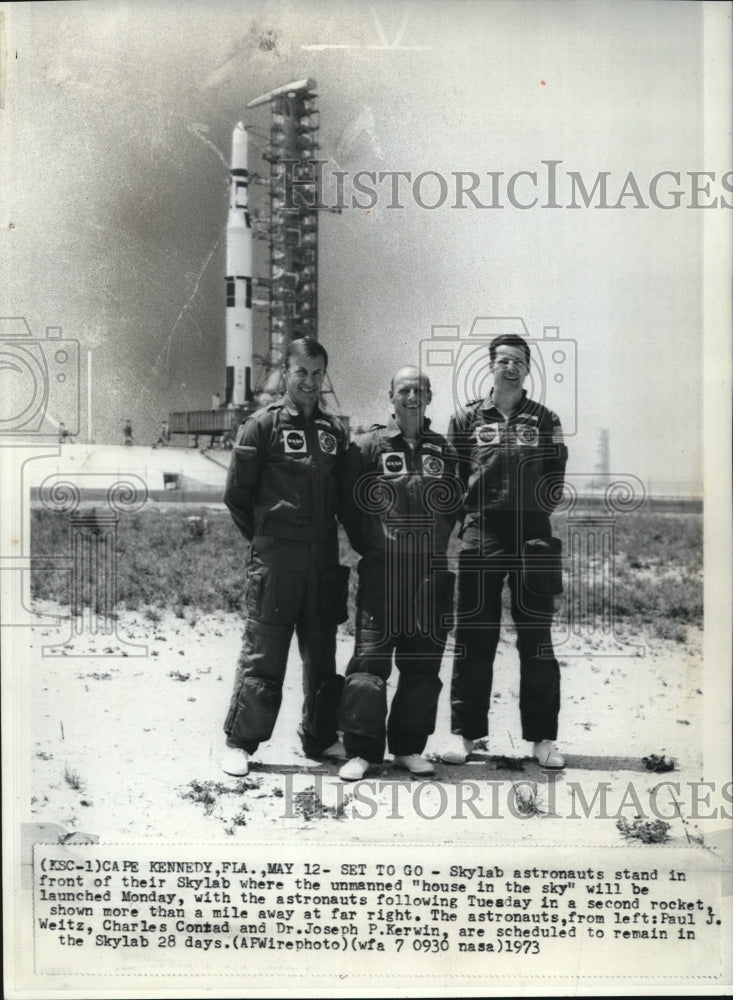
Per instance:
{"type": "Point", "coordinates": [354, 769]}
{"type": "Point", "coordinates": [235, 761]}
{"type": "Point", "coordinates": [335, 752]}
{"type": "Point", "coordinates": [548, 755]}
{"type": "Point", "coordinates": [457, 749]}
{"type": "Point", "coordinates": [415, 763]}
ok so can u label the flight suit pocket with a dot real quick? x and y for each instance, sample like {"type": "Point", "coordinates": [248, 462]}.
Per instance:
{"type": "Point", "coordinates": [272, 597]}
{"type": "Point", "coordinates": [542, 567]}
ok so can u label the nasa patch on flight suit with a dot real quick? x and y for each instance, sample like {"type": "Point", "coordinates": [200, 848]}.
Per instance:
{"type": "Point", "coordinates": [487, 434]}
{"type": "Point", "coordinates": [432, 465]}
{"type": "Point", "coordinates": [528, 434]}
{"type": "Point", "coordinates": [294, 441]}
{"type": "Point", "coordinates": [393, 463]}
{"type": "Point", "coordinates": [327, 442]}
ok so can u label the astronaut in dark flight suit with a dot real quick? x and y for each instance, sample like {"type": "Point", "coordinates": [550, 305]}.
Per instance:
{"type": "Point", "coordinates": [283, 494]}
{"type": "Point", "coordinates": [401, 479]}
{"type": "Point", "coordinates": [510, 450]}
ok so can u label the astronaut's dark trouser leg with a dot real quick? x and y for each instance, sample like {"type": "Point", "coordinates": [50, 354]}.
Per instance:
{"type": "Point", "coordinates": [539, 682]}
{"type": "Point", "coordinates": [496, 546]}
{"type": "Point", "coordinates": [415, 703]}
{"type": "Point", "coordinates": [386, 622]}
{"type": "Point", "coordinates": [322, 687]}
{"type": "Point", "coordinates": [258, 684]}
{"type": "Point", "coordinates": [283, 578]}
{"type": "Point", "coordinates": [316, 630]}
{"type": "Point", "coordinates": [364, 703]}
{"type": "Point", "coordinates": [478, 614]}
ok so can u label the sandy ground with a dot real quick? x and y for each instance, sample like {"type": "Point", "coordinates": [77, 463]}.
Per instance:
{"type": "Point", "coordinates": [127, 746]}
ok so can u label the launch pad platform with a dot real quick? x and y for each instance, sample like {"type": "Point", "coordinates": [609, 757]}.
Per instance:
{"type": "Point", "coordinates": [218, 425]}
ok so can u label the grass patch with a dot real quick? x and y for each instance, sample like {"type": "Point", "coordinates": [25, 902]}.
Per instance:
{"type": "Point", "coordinates": [658, 578]}
{"type": "Point", "coordinates": [526, 799]}
{"type": "Point", "coordinates": [163, 565]}
{"type": "Point", "coordinates": [73, 779]}
{"type": "Point", "coordinates": [509, 764]}
{"type": "Point", "coordinates": [240, 818]}
{"type": "Point", "coordinates": [658, 764]}
{"type": "Point", "coordinates": [205, 793]}
{"type": "Point", "coordinates": [309, 805]}
{"type": "Point", "coordinates": [208, 793]}
{"type": "Point", "coordinates": [647, 831]}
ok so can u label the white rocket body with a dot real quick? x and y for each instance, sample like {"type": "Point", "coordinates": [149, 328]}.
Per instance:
{"type": "Point", "coordinates": [239, 278]}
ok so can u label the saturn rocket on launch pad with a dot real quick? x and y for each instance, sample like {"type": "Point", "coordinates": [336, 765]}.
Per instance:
{"type": "Point", "coordinates": [238, 388]}
{"type": "Point", "coordinates": [289, 294]}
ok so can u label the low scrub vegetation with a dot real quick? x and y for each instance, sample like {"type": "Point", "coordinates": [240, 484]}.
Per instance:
{"type": "Point", "coordinates": [648, 574]}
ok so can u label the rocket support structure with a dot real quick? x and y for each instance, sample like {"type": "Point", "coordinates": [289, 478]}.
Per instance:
{"type": "Point", "coordinates": [293, 219]}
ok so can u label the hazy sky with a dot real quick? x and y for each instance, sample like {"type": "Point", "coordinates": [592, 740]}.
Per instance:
{"type": "Point", "coordinates": [117, 132]}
